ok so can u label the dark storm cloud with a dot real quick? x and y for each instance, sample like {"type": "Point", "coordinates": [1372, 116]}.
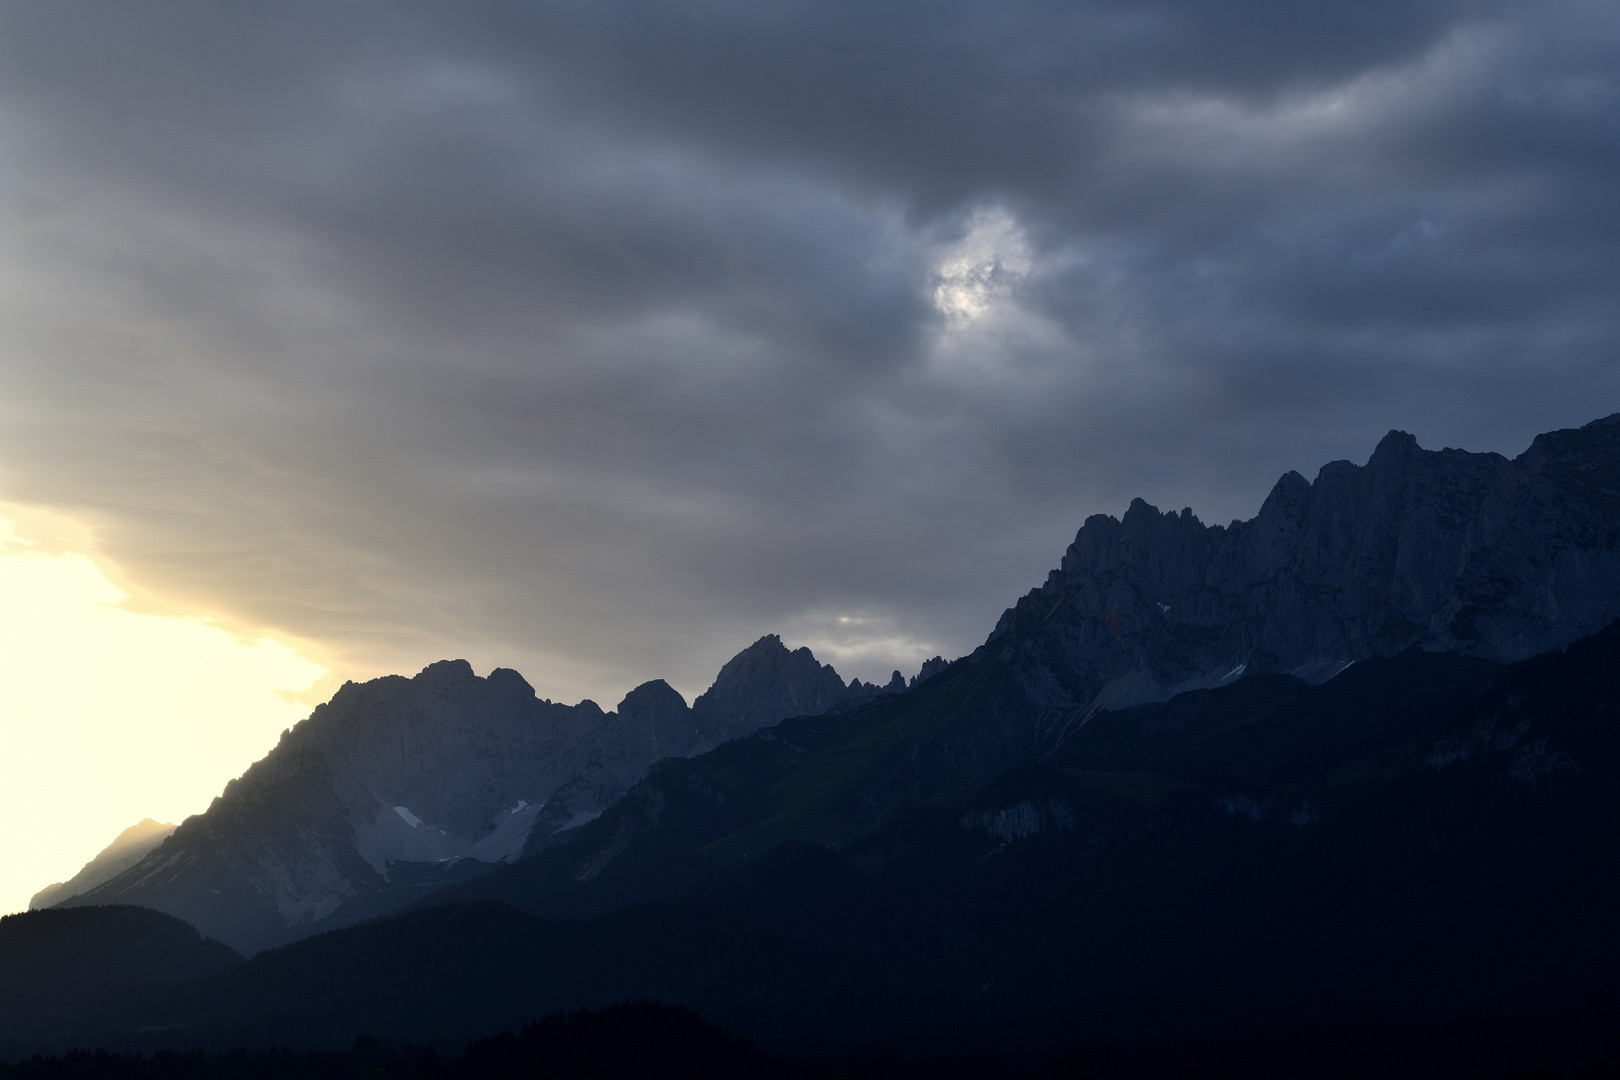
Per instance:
{"type": "Point", "coordinates": [598, 339]}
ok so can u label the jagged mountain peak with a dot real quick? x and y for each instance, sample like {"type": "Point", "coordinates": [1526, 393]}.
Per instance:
{"type": "Point", "coordinates": [1287, 501]}
{"type": "Point", "coordinates": [1442, 549]}
{"type": "Point", "coordinates": [446, 672]}
{"type": "Point", "coordinates": [509, 681]}
{"type": "Point", "coordinates": [764, 659]}
{"type": "Point", "coordinates": [767, 680]}
{"type": "Point", "coordinates": [1393, 449]}
{"type": "Point", "coordinates": [930, 667]}
{"type": "Point", "coordinates": [1601, 436]}
{"type": "Point", "coordinates": [652, 698]}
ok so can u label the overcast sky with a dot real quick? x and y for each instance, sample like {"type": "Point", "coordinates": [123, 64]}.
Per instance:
{"type": "Point", "coordinates": [597, 339]}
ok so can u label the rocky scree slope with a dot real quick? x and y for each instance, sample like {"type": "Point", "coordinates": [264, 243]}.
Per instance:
{"type": "Point", "coordinates": [398, 786]}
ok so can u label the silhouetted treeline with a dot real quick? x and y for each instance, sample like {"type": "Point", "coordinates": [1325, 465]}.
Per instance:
{"type": "Point", "coordinates": [191, 1065]}
{"type": "Point", "coordinates": [81, 968]}
{"type": "Point", "coordinates": [650, 1041]}
{"type": "Point", "coordinates": [641, 1040]}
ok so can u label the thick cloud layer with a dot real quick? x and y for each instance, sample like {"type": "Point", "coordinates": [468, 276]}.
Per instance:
{"type": "Point", "coordinates": [599, 339]}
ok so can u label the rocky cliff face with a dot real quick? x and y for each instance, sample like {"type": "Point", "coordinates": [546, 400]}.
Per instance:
{"type": "Point", "coordinates": [1443, 550]}
{"type": "Point", "coordinates": [386, 789]}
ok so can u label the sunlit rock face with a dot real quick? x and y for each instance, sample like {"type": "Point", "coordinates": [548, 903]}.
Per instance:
{"type": "Point", "coordinates": [1442, 550]}
{"type": "Point", "coordinates": [397, 785]}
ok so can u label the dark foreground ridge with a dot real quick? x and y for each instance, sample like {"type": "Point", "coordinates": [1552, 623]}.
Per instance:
{"type": "Point", "coordinates": [86, 969]}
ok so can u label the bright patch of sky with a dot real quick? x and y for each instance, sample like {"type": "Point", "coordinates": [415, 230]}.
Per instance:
{"type": "Point", "coordinates": [109, 715]}
{"type": "Point", "coordinates": [991, 340]}
{"type": "Point", "coordinates": [855, 643]}
{"type": "Point", "coordinates": [983, 266]}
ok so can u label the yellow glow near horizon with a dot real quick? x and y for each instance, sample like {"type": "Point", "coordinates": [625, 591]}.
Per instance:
{"type": "Point", "coordinates": [108, 715]}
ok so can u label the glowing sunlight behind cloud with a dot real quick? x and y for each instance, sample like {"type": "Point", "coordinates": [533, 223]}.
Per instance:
{"type": "Point", "coordinates": [982, 266]}
{"type": "Point", "coordinates": [108, 715]}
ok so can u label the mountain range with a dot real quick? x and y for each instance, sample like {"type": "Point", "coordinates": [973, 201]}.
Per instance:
{"type": "Point", "coordinates": [1343, 776]}
{"type": "Point", "coordinates": [397, 787]}
{"type": "Point", "coordinates": [1441, 550]}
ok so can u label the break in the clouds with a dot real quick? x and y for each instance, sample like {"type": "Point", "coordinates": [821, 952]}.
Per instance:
{"type": "Point", "coordinates": [598, 339]}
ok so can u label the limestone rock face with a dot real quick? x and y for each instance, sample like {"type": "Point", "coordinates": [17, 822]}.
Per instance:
{"type": "Point", "coordinates": [1442, 550]}
{"type": "Point", "coordinates": [397, 785]}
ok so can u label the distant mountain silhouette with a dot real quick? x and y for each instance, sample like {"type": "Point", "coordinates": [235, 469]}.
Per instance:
{"type": "Point", "coordinates": [398, 786]}
{"type": "Point", "coordinates": [128, 848]}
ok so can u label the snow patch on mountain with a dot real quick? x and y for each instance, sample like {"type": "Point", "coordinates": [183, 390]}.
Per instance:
{"type": "Point", "coordinates": [395, 834]}
{"type": "Point", "coordinates": [506, 842]}
{"type": "Point", "coordinates": [406, 816]}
